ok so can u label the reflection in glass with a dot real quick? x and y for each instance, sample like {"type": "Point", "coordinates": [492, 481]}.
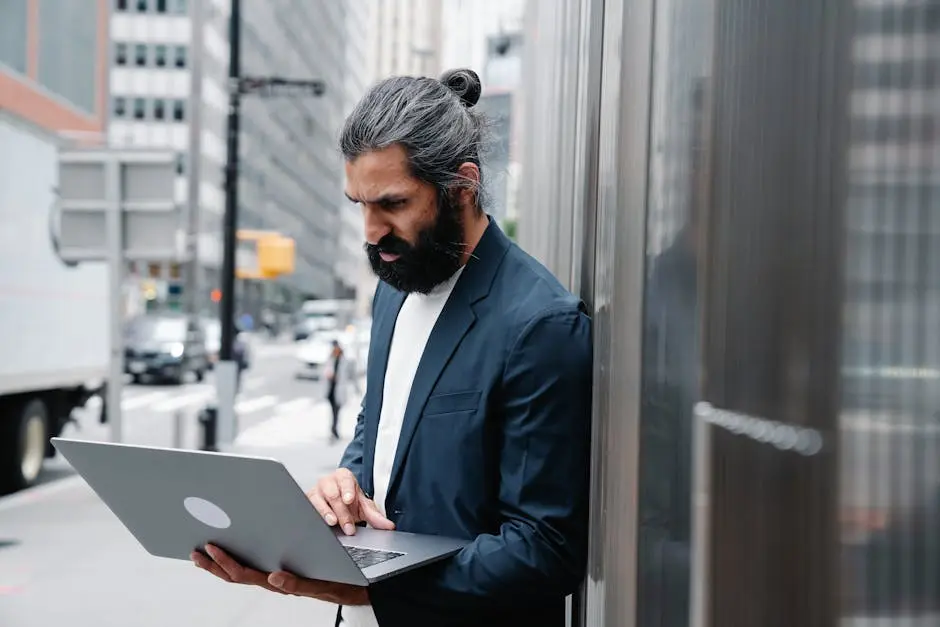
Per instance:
{"type": "Point", "coordinates": [890, 423]}
{"type": "Point", "coordinates": [671, 331]}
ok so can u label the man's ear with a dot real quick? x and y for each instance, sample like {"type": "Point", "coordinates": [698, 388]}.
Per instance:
{"type": "Point", "coordinates": [469, 190]}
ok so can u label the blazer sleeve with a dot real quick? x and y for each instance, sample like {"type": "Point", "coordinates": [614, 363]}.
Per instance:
{"type": "Point", "coordinates": [540, 549]}
{"type": "Point", "coordinates": [352, 457]}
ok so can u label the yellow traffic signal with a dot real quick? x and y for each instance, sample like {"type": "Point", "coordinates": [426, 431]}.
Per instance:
{"type": "Point", "coordinates": [275, 255]}
{"type": "Point", "coordinates": [273, 251]}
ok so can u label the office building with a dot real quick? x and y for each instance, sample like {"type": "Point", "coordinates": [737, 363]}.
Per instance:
{"type": "Point", "coordinates": [169, 89]}
{"type": "Point", "coordinates": [53, 65]}
{"type": "Point", "coordinates": [486, 35]}
{"type": "Point", "coordinates": [407, 38]}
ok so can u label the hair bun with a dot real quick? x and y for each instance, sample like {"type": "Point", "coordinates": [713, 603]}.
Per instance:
{"type": "Point", "coordinates": [465, 84]}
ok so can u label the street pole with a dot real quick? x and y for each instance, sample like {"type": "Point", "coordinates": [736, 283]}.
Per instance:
{"type": "Point", "coordinates": [115, 239]}
{"type": "Point", "coordinates": [227, 369]}
{"type": "Point", "coordinates": [193, 163]}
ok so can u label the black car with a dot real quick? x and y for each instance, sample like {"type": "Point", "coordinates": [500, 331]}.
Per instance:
{"type": "Point", "coordinates": [165, 347]}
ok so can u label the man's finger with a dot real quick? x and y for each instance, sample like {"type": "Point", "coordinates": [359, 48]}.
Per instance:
{"type": "Point", "coordinates": [292, 584]}
{"type": "Point", "coordinates": [347, 485]}
{"type": "Point", "coordinates": [371, 514]}
{"type": "Point", "coordinates": [322, 507]}
{"type": "Point", "coordinates": [236, 572]}
{"type": "Point", "coordinates": [210, 566]}
{"type": "Point", "coordinates": [331, 492]}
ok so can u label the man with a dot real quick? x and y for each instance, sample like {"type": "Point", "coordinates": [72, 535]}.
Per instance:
{"type": "Point", "coordinates": [476, 418]}
{"type": "Point", "coordinates": [334, 380]}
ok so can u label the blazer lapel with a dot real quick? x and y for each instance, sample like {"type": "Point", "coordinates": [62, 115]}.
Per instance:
{"type": "Point", "coordinates": [381, 341]}
{"type": "Point", "coordinates": [455, 320]}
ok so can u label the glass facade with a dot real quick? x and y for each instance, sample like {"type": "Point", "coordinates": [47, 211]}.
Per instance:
{"type": "Point", "coordinates": [745, 192]}
{"type": "Point", "coordinates": [68, 46]}
{"type": "Point", "coordinates": [291, 169]}
{"type": "Point", "coordinates": [13, 34]}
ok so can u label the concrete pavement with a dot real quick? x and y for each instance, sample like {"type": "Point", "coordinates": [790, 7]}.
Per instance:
{"type": "Point", "coordinates": [66, 559]}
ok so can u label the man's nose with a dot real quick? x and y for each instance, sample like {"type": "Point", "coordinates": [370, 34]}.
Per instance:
{"type": "Point", "coordinates": [375, 226]}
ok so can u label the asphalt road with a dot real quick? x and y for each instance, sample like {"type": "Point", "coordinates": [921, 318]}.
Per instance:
{"type": "Point", "coordinates": [65, 559]}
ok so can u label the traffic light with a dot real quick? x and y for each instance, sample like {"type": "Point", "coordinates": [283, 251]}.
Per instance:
{"type": "Point", "coordinates": [273, 252]}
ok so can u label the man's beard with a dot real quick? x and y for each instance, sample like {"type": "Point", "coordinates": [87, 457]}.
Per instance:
{"type": "Point", "coordinates": [432, 260]}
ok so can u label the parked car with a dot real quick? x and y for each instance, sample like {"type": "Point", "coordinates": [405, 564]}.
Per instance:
{"type": "Point", "coordinates": [166, 347]}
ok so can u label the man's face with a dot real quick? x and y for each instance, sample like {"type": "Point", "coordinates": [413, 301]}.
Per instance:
{"type": "Point", "coordinates": [414, 241]}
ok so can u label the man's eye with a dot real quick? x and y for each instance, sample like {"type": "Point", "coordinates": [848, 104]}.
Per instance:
{"type": "Point", "coordinates": [392, 204]}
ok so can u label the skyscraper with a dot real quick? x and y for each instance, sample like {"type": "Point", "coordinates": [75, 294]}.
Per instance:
{"type": "Point", "coordinates": [290, 172]}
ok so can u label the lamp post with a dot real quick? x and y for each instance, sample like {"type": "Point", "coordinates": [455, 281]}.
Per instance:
{"type": "Point", "coordinates": [227, 369]}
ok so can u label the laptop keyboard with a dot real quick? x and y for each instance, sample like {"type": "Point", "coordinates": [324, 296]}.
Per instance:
{"type": "Point", "coordinates": [370, 557]}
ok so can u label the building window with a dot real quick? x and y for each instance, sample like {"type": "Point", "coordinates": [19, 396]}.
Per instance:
{"type": "Point", "coordinates": [120, 54]}
{"type": "Point", "coordinates": [159, 55]}
{"type": "Point", "coordinates": [161, 6]}
{"type": "Point", "coordinates": [179, 7]}
{"type": "Point", "coordinates": [159, 109]}
{"type": "Point", "coordinates": [140, 108]}
{"type": "Point", "coordinates": [181, 56]}
{"type": "Point", "coordinates": [120, 5]}
{"type": "Point", "coordinates": [140, 55]}
{"type": "Point", "coordinates": [179, 111]}
{"type": "Point", "coordinates": [66, 51]}
{"type": "Point", "coordinates": [181, 163]}
{"type": "Point", "coordinates": [120, 107]}
{"type": "Point", "coordinates": [13, 29]}
{"type": "Point", "coordinates": [142, 6]}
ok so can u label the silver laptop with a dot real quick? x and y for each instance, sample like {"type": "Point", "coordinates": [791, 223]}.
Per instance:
{"type": "Point", "coordinates": [174, 501]}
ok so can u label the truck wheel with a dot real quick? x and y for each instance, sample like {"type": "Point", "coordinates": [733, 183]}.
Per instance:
{"type": "Point", "coordinates": [23, 446]}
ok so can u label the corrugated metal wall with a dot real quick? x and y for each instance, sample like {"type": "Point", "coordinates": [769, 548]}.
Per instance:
{"type": "Point", "coordinates": [746, 193]}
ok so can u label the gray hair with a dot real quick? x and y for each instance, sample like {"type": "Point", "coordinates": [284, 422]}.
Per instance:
{"type": "Point", "coordinates": [433, 120]}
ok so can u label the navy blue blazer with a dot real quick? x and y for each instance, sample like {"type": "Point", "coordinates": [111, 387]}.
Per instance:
{"type": "Point", "coordinates": [495, 446]}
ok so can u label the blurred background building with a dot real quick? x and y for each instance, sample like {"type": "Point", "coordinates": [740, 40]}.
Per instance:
{"type": "Point", "coordinates": [407, 38]}
{"type": "Point", "coordinates": [52, 64]}
{"type": "Point", "coordinates": [490, 40]}
{"type": "Point", "coordinates": [168, 90]}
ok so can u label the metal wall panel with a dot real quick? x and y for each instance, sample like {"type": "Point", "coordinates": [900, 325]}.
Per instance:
{"type": "Point", "coordinates": [677, 198]}
{"type": "Point", "coordinates": [772, 310]}
{"type": "Point", "coordinates": [618, 305]}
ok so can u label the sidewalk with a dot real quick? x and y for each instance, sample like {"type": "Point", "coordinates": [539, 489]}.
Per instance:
{"type": "Point", "coordinates": [66, 546]}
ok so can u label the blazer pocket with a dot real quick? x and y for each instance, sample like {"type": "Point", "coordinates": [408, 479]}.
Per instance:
{"type": "Point", "coordinates": [452, 403]}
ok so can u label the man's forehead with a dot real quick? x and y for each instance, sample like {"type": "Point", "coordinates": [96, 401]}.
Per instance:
{"type": "Point", "coordinates": [379, 173]}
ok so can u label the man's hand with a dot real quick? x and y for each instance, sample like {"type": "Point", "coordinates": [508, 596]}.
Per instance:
{"type": "Point", "coordinates": [340, 500]}
{"type": "Point", "coordinates": [225, 568]}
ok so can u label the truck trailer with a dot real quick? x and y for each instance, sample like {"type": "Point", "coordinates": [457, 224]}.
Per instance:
{"type": "Point", "coordinates": [53, 317]}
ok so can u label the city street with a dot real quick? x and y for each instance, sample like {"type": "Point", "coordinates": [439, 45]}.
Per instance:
{"type": "Point", "coordinates": [66, 559]}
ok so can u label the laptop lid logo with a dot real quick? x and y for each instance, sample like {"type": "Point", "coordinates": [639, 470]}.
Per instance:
{"type": "Point", "coordinates": [207, 513]}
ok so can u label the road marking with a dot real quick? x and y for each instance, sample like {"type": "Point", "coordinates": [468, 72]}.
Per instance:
{"type": "Point", "coordinates": [310, 425]}
{"type": "Point", "coordinates": [144, 399]}
{"type": "Point", "coordinates": [253, 383]}
{"type": "Point", "coordinates": [296, 405]}
{"type": "Point", "coordinates": [178, 402]}
{"type": "Point", "coordinates": [255, 404]}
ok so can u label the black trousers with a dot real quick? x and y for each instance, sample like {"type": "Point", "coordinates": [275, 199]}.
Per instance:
{"type": "Point", "coordinates": [335, 406]}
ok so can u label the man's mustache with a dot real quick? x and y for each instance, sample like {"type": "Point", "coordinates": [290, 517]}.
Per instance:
{"type": "Point", "coordinates": [389, 244]}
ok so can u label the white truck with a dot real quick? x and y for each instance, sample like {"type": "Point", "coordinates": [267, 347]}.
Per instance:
{"type": "Point", "coordinates": [53, 317]}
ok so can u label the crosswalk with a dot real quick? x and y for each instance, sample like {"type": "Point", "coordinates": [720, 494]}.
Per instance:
{"type": "Point", "coordinates": [301, 421]}
{"type": "Point", "coordinates": [194, 395]}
